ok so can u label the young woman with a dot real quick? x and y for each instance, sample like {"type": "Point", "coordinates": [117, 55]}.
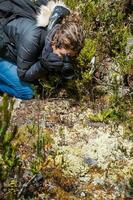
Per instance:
{"type": "Point", "coordinates": [34, 49]}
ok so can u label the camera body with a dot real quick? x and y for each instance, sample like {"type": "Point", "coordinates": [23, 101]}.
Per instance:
{"type": "Point", "coordinates": [67, 69]}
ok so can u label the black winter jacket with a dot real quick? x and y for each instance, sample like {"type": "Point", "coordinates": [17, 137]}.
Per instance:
{"type": "Point", "coordinates": [24, 43]}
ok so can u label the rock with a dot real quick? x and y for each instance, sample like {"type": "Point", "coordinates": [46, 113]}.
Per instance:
{"type": "Point", "coordinates": [17, 103]}
{"type": "Point", "coordinates": [85, 179]}
{"type": "Point", "coordinates": [82, 194]}
{"type": "Point", "coordinates": [42, 196]}
{"type": "Point", "coordinates": [90, 161]}
{"type": "Point", "coordinates": [129, 45]}
{"type": "Point", "coordinates": [98, 180]}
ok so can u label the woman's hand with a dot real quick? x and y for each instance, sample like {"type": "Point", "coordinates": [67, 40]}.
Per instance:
{"type": "Point", "coordinates": [53, 62]}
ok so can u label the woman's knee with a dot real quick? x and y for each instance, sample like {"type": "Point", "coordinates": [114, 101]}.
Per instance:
{"type": "Point", "coordinates": [25, 93]}
{"type": "Point", "coordinates": [11, 82]}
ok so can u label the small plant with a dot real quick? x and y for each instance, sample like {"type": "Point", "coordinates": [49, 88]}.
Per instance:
{"type": "Point", "coordinates": [8, 155]}
{"type": "Point", "coordinates": [105, 115]}
{"type": "Point", "coordinates": [42, 143]}
{"type": "Point", "coordinates": [50, 85]}
{"type": "Point", "coordinates": [130, 189]}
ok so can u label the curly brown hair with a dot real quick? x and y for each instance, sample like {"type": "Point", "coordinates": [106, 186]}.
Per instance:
{"type": "Point", "coordinates": [70, 35]}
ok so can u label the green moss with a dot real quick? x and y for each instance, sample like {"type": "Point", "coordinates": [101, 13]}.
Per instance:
{"type": "Point", "coordinates": [87, 53]}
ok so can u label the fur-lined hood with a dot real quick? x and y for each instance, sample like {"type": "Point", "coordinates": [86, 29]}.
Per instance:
{"type": "Point", "coordinates": [46, 11]}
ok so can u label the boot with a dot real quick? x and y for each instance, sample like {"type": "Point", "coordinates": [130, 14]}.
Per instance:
{"type": "Point", "coordinates": [57, 15]}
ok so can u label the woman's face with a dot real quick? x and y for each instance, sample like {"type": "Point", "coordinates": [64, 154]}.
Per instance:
{"type": "Point", "coordinates": [62, 51]}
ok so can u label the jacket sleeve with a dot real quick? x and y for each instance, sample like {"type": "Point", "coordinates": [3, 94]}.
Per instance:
{"type": "Point", "coordinates": [29, 66]}
{"type": "Point", "coordinates": [35, 72]}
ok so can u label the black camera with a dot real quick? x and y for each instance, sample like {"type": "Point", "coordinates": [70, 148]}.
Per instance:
{"type": "Point", "coordinates": [67, 69]}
